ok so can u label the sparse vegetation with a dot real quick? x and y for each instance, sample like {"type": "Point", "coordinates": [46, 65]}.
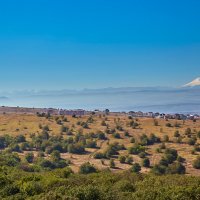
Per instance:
{"type": "Point", "coordinates": [59, 146]}
{"type": "Point", "coordinates": [46, 144]}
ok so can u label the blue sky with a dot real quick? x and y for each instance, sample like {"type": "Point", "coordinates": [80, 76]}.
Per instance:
{"type": "Point", "coordinates": [46, 44]}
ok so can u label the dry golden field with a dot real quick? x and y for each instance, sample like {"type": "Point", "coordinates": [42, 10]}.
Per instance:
{"type": "Point", "coordinates": [15, 124]}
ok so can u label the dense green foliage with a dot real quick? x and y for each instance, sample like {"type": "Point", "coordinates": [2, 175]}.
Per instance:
{"type": "Point", "coordinates": [63, 184]}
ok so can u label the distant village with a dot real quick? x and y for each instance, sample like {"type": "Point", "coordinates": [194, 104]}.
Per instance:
{"type": "Point", "coordinates": [158, 115]}
{"type": "Point", "coordinates": [81, 112]}
{"type": "Point", "coordinates": [51, 111]}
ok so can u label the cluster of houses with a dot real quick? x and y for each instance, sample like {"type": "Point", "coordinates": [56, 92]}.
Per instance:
{"type": "Point", "coordinates": [81, 112]}
{"type": "Point", "coordinates": [163, 115]}
{"type": "Point", "coordinates": [78, 112]}
{"type": "Point", "coordinates": [52, 111]}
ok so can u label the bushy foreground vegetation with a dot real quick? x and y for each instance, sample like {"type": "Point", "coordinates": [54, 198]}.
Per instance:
{"type": "Point", "coordinates": [47, 154]}
{"type": "Point", "coordinates": [63, 184]}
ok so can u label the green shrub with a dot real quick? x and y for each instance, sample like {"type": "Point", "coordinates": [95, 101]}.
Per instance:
{"type": "Point", "coordinates": [136, 149]}
{"type": "Point", "coordinates": [116, 135]}
{"type": "Point", "coordinates": [87, 168]}
{"type": "Point", "coordinates": [136, 168]}
{"type": "Point", "coordinates": [158, 169]}
{"type": "Point", "coordinates": [196, 163]}
{"type": "Point", "coordinates": [146, 162]}
{"type": "Point", "coordinates": [99, 155]}
{"type": "Point", "coordinates": [122, 159]}
{"type": "Point", "coordinates": [176, 168]}
{"type": "Point", "coordinates": [112, 163]}
{"type": "Point", "coordinates": [29, 157]}
{"type": "Point", "coordinates": [129, 160]}
{"type": "Point", "coordinates": [76, 148]}
{"type": "Point", "coordinates": [191, 141]}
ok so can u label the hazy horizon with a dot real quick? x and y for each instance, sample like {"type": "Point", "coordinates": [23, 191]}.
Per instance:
{"type": "Point", "coordinates": [156, 99]}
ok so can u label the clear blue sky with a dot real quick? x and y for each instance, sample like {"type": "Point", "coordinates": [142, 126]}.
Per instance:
{"type": "Point", "coordinates": [62, 44]}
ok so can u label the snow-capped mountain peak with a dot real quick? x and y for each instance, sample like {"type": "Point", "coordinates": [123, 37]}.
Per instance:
{"type": "Point", "coordinates": [195, 82]}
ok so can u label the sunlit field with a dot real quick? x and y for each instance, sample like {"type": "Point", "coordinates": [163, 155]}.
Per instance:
{"type": "Point", "coordinates": [120, 130]}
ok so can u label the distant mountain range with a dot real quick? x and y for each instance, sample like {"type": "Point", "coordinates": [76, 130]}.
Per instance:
{"type": "Point", "coordinates": [161, 99]}
{"type": "Point", "coordinates": [3, 98]}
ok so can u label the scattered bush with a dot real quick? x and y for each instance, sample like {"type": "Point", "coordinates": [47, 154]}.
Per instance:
{"type": "Point", "coordinates": [196, 163]}
{"type": "Point", "coordinates": [122, 159]}
{"type": "Point", "coordinates": [136, 149]}
{"type": "Point", "coordinates": [87, 168]}
{"type": "Point", "coordinates": [146, 162]}
{"type": "Point", "coordinates": [136, 168]}
{"type": "Point", "coordinates": [112, 163]}
{"type": "Point", "coordinates": [99, 155]}
{"type": "Point", "coordinates": [29, 157]}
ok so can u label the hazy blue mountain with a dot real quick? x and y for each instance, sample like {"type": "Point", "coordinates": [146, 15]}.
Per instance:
{"type": "Point", "coordinates": [162, 99]}
{"type": "Point", "coordinates": [2, 98]}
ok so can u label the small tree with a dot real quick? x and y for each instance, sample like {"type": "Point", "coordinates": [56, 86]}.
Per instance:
{"type": "Point", "coordinates": [112, 163]}
{"type": "Point", "coordinates": [166, 138]}
{"type": "Point", "coordinates": [168, 124]}
{"type": "Point", "coordinates": [40, 126]}
{"type": "Point", "coordinates": [176, 134]}
{"type": "Point", "coordinates": [158, 169]}
{"type": "Point", "coordinates": [99, 155]}
{"type": "Point", "coordinates": [142, 155]}
{"type": "Point", "coordinates": [176, 168]}
{"type": "Point", "coordinates": [107, 111]}
{"type": "Point", "coordinates": [116, 135]}
{"type": "Point", "coordinates": [122, 159]}
{"type": "Point", "coordinates": [155, 122]}
{"type": "Point", "coordinates": [162, 146]}
{"type": "Point", "coordinates": [188, 131]}
{"type": "Point", "coordinates": [198, 134]}
{"type": "Point", "coordinates": [101, 136]}
{"type": "Point", "coordinates": [196, 163]}
{"type": "Point", "coordinates": [180, 159]}
{"type": "Point", "coordinates": [136, 168]}
{"type": "Point", "coordinates": [29, 157]}
{"type": "Point", "coordinates": [132, 140]}
{"type": "Point", "coordinates": [87, 168]}
{"type": "Point", "coordinates": [146, 162]}
{"type": "Point", "coordinates": [129, 160]}
{"type": "Point", "coordinates": [191, 141]}
{"type": "Point", "coordinates": [20, 138]}
{"type": "Point", "coordinates": [103, 123]}
{"type": "Point", "coordinates": [55, 156]}
{"type": "Point", "coordinates": [63, 129]}
{"type": "Point", "coordinates": [46, 128]}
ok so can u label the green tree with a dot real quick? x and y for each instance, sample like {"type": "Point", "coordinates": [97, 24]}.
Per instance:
{"type": "Point", "coordinates": [136, 168]}
{"type": "Point", "coordinates": [196, 163]}
{"type": "Point", "coordinates": [55, 156]}
{"type": "Point", "coordinates": [112, 163]}
{"type": "Point", "coordinates": [188, 131]}
{"type": "Point", "coordinates": [176, 134]}
{"type": "Point", "coordinates": [176, 168]}
{"type": "Point", "coordinates": [146, 162]}
{"type": "Point", "coordinates": [158, 169]}
{"type": "Point", "coordinates": [122, 159]}
{"type": "Point", "coordinates": [166, 138]}
{"type": "Point", "coordinates": [129, 160]}
{"type": "Point", "coordinates": [29, 157]}
{"type": "Point", "coordinates": [87, 168]}
{"type": "Point", "coordinates": [20, 138]}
